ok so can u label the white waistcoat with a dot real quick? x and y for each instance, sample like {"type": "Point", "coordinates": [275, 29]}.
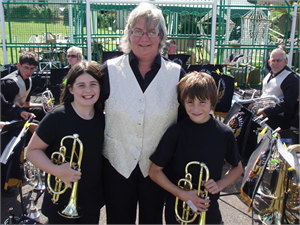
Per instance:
{"type": "Point", "coordinates": [135, 121]}
{"type": "Point", "coordinates": [20, 98]}
{"type": "Point", "coordinates": [273, 86]}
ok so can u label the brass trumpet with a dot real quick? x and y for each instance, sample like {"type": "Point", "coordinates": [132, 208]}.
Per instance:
{"type": "Point", "coordinates": [187, 186]}
{"type": "Point", "coordinates": [47, 100]}
{"type": "Point", "coordinates": [71, 210]}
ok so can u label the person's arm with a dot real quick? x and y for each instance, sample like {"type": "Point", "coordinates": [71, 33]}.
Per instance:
{"type": "Point", "coordinates": [13, 111]}
{"type": "Point", "coordinates": [31, 105]}
{"type": "Point", "coordinates": [215, 187]}
{"type": "Point", "coordinates": [158, 176]}
{"type": "Point", "coordinates": [36, 155]}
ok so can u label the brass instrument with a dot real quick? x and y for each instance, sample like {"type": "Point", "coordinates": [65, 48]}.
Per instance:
{"type": "Point", "coordinates": [187, 186]}
{"type": "Point", "coordinates": [276, 212]}
{"type": "Point", "coordinates": [47, 100]}
{"type": "Point", "coordinates": [258, 103]}
{"type": "Point", "coordinates": [71, 210]}
{"type": "Point", "coordinates": [33, 176]}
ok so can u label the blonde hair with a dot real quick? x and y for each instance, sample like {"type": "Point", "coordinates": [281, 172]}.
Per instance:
{"type": "Point", "coordinates": [152, 14]}
{"type": "Point", "coordinates": [76, 50]}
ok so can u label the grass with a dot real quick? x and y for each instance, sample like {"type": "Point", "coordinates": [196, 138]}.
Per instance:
{"type": "Point", "coordinates": [24, 30]}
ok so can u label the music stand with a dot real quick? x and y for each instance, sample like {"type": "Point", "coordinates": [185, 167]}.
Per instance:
{"type": "Point", "coordinates": [180, 59]}
{"type": "Point", "coordinates": [224, 82]}
{"type": "Point", "coordinates": [56, 79]}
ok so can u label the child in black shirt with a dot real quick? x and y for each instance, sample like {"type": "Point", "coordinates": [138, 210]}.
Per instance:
{"type": "Point", "coordinates": [80, 114]}
{"type": "Point", "coordinates": [197, 138]}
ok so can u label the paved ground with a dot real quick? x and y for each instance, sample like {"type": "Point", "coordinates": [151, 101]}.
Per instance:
{"type": "Point", "coordinates": [234, 211]}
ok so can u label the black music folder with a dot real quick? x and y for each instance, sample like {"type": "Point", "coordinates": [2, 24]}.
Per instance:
{"type": "Point", "coordinates": [180, 59]}
{"type": "Point", "coordinates": [110, 55]}
{"type": "Point", "coordinates": [13, 126]}
{"type": "Point", "coordinates": [57, 75]}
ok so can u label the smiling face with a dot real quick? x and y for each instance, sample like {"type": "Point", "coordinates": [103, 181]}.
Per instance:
{"type": "Point", "coordinates": [277, 61]}
{"type": "Point", "coordinates": [86, 90]}
{"type": "Point", "coordinates": [197, 110]}
{"type": "Point", "coordinates": [144, 48]}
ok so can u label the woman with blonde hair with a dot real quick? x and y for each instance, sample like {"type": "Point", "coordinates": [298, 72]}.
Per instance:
{"type": "Point", "coordinates": [74, 55]}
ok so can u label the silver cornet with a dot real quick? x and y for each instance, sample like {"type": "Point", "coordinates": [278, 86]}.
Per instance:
{"type": "Point", "coordinates": [47, 100]}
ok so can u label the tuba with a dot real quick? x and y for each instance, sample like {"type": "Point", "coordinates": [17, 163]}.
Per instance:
{"type": "Point", "coordinates": [71, 210]}
{"type": "Point", "coordinates": [188, 215]}
{"type": "Point", "coordinates": [47, 100]}
{"type": "Point", "coordinates": [285, 195]}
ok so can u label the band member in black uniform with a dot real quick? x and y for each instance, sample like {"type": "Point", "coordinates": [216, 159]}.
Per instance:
{"type": "Point", "coordinates": [16, 86]}
{"type": "Point", "coordinates": [81, 113]}
{"type": "Point", "coordinates": [282, 82]}
{"type": "Point", "coordinates": [199, 137]}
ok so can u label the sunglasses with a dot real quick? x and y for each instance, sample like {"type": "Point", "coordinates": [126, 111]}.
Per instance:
{"type": "Point", "coordinates": [72, 56]}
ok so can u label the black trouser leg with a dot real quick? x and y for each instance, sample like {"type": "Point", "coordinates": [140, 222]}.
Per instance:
{"type": "Point", "coordinates": [122, 196]}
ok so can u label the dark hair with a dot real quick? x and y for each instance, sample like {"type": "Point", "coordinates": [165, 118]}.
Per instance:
{"type": "Point", "coordinates": [170, 41]}
{"type": "Point", "coordinates": [28, 57]}
{"type": "Point", "coordinates": [91, 68]}
{"type": "Point", "coordinates": [198, 85]}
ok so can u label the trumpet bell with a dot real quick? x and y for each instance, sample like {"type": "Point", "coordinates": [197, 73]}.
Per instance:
{"type": "Point", "coordinates": [71, 211]}
{"type": "Point", "coordinates": [33, 212]}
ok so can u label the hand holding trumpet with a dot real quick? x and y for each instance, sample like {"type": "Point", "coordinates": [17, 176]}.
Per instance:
{"type": "Point", "coordinates": [67, 175]}
{"type": "Point", "coordinates": [200, 203]}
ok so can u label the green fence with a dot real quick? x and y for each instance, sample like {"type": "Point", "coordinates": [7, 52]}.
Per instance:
{"type": "Point", "coordinates": [50, 28]}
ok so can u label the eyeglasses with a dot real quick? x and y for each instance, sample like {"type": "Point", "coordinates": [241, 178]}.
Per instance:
{"type": "Point", "coordinates": [139, 33]}
{"type": "Point", "coordinates": [276, 60]}
{"type": "Point", "coordinates": [72, 56]}
{"type": "Point", "coordinates": [31, 69]}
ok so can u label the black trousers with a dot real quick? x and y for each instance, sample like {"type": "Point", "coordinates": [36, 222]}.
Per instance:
{"type": "Point", "coordinates": [122, 196]}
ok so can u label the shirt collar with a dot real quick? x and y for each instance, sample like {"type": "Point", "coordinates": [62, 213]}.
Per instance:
{"type": "Point", "coordinates": [274, 75]}
{"type": "Point", "coordinates": [132, 58]}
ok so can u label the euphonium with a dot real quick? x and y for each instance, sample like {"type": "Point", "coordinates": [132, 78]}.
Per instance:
{"type": "Point", "coordinates": [258, 103]}
{"type": "Point", "coordinates": [47, 100]}
{"type": "Point", "coordinates": [187, 186]}
{"type": "Point", "coordinates": [71, 210]}
{"type": "Point", "coordinates": [276, 212]}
